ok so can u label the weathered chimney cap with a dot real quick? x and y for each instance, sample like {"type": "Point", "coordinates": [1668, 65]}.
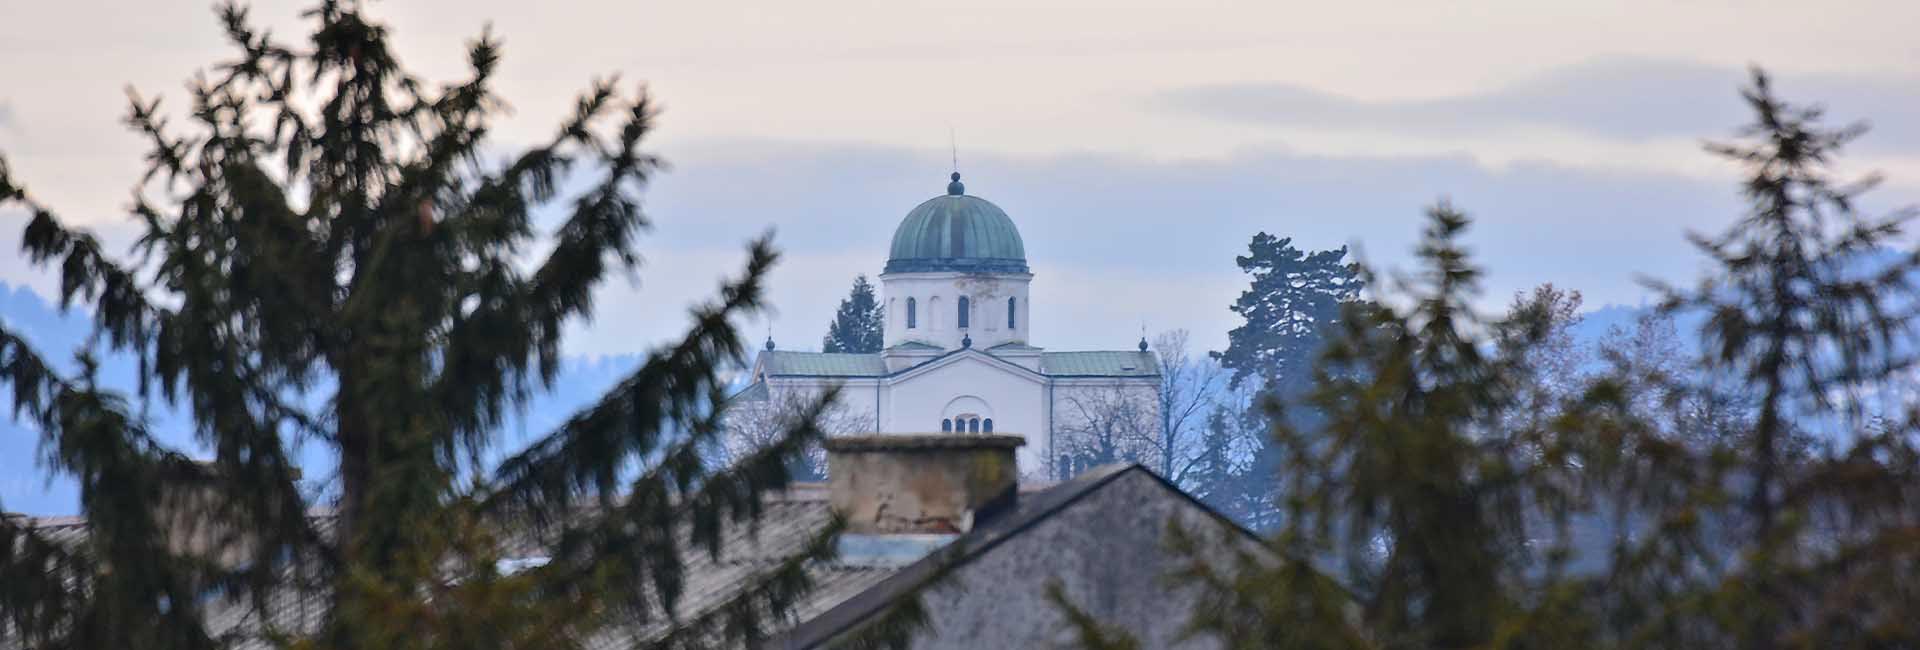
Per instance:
{"type": "Point", "coordinates": [920, 483]}
{"type": "Point", "coordinates": [912, 441]}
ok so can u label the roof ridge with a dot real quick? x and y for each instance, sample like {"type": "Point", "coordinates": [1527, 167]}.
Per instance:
{"type": "Point", "coordinates": [1030, 510]}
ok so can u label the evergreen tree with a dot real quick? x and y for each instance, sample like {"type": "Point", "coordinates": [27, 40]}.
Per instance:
{"type": "Point", "coordinates": [1391, 486]}
{"type": "Point", "coordinates": [859, 325]}
{"type": "Point", "coordinates": [328, 222]}
{"type": "Point", "coordinates": [1811, 318]}
{"type": "Point", "coordinates": [1419, 517]}
{"type": "Point", "coordinates": [1294, 298]}
{"type": "Point", "coordinates": [1394, 533]}
{"type": "Point", "coordinates": [1226, 471]}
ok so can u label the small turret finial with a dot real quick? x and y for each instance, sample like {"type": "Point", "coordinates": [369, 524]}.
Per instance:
{"type": "Point", "coordinates": [966, 340]}
{"type": "Point", "coordinates": [769, 337]}
{"type": "Point", "coordinates": [955, 188]}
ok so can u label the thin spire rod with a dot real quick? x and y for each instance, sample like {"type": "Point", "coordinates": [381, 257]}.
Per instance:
{"type": "Point", "coordinates": [953, 144]}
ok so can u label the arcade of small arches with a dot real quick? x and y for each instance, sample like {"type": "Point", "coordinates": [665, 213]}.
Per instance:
{"type": "Point", "coordinates": [967, 414]}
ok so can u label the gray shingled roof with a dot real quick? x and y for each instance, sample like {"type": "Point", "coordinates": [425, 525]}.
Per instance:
{"type": "Point", "coordinates": [845, 593]}
{"type": "Point", "coordinates": [1033, 507]}
{"type": "Point", "coordinates": [1068, 364]}
{"type": "Point", "coordinates": [790, 521]}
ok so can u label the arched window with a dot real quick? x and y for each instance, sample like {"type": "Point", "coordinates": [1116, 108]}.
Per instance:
{"type": "Point", "coordinates": [973, 425]}
{"type": "Point", "coordinates": [986, 426]}
{"type": "Point", "coordinates": [946, 426]}
{"type": "Point", "coordinates": [1010, 313]}
{"type": "Point", "coordinates": [963, 312]}
{"type": "Point", "coordinates": [913, 317]}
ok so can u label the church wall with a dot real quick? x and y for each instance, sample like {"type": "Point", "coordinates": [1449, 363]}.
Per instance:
{"type": "Point", "coordinates": [1091, 416]}
{"type": "Point", "coordinates": [752, 424]}
{"type": "Point", "coordinates": [1105, 420]}
{"type": "Point", "coordinates": [1017, 405]}
{"type": "Point", "coordinates": [857, 398]}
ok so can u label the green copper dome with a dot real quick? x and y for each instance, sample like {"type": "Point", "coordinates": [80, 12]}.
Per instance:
{"type": "Point", "coordinates": [957, 232]}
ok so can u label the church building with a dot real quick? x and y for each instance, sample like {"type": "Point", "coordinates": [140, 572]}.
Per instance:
{"type": "Point", "coordinates": [957, 356]}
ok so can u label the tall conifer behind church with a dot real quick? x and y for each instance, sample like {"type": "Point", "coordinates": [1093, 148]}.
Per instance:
{"type": "Point", "coordinates": [334, 252]}
{"type": "Point", "coordinates": [1293, 300]}
{"type": "Point", "coordinates": [859, 325]}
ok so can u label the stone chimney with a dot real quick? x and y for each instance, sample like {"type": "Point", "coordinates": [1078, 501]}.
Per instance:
{"type": "Point", "coordinates": [194, 522]}
{"type": "Point", "coordinates": [938, 484]}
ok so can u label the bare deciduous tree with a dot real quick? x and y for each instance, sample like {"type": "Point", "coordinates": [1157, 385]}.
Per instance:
{"type": "Point", "coordinates": [1672, 388]}
{"type": "Point", "coordinates": [1107, 424]}
{"type": "Point", "coordinates": [1189, 386]}
{"type": "Point", "coordinates": [1540, 337]}
{"type": "Point", "coordinates": [752, 424]}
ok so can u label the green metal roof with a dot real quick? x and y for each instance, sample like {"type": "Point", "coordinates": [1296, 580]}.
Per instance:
{"type": "Point", "coordinates": [1077, 364]}
{"type": "Point", "coordinates": [915, 345]}
{"type": "Point", "coordinates": [957, 232]}
{"type": "Point", "coordinates": [1100, 364]}
{"type": "Point", "coordinates": [824, 364]}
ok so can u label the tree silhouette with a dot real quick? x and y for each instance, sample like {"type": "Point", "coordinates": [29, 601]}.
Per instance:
{"type": "Point", "coordinates": [328, 223]}
{"type": "Point", "coordinates": [1294, 297]}
{"type": "Point", "coordinates": [1421, 514]}
{"type": "Point", "coordinates": [859, 325]}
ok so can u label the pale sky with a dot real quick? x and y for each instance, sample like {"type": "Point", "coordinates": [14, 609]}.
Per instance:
{"type": "Point", "coordinates": [1136, 145]}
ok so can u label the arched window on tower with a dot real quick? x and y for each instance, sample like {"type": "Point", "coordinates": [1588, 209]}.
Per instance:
{"type": "Point", "coordinates": [973, 425]}
{"type": "Point", "coordinates": [986, 426]}
{"type": "Point", "coordinates": [963, 311]}
{"type": "Point", "coordinates": [946, 426]}
{"type": "Point", "coordinates": [913, 316]}
{"type": "Point", "coordinates": [1010, 321]}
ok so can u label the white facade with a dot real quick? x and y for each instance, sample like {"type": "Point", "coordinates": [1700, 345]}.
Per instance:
{"type": "Point", "coordinates": [935, 298]}
{"type": "Point", "coordinates": [942, 370]}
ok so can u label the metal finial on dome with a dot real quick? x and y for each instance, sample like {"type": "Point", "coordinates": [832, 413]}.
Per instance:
{"type": "Point", "coordinates": [955, 188]}
{"type": "Point", "coordinates": [966, 340]}
{"type": "Point", "coordinates": [1143, 344]}
{"type": "Point", "coordinates": [769, 342]}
